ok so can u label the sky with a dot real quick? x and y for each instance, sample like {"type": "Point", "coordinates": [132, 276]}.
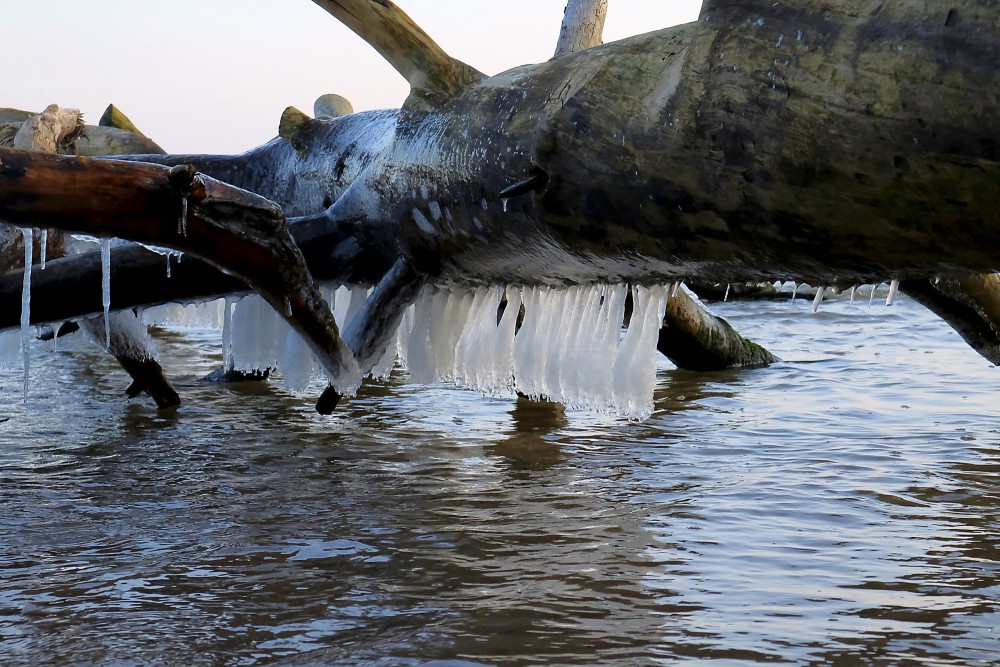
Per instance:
{"type": "Point", "coordinates": [213, 76]}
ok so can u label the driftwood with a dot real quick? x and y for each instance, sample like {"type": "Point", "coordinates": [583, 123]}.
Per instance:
{"type": "Point", "coordinates": [178, 208]}
{"type": "Point", "coordinates": [829, 143]}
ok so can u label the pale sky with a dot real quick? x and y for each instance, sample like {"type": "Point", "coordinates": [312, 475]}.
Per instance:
{"type": "Point", "coordinates": [204, 76]}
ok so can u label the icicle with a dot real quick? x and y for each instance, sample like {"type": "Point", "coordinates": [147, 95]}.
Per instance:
{"type": "Point", "coordinates": [818, 299]}
{"type": "Point", "coordinates": [359, 294]}
{"type": "Point", "coordinates": [56, 326]}
{"type": "Point", "coordinates": [893, 287]}
{"type": "Point", "coordinates": [419, 360]}
{"type": "Point", "coordinates": [43, 241]}
{"type": "Point", "coordinates": [227, 333]}
{"type": "Point", "coordinates": [168, 265]}
{"type": "Point", "coordinates": [183, 220]}
{"type": "Point", "coordinates": [106, 288]}
{"type": "Point", "coordinates": [635, 367]}
{"type": "Point", "coordinates": [871, 296]}
{"type": "Point", "coordinates": [677, 286]}
{"type": "Point", "coordinates": [726, 296]}
{"type": "Point", "coordinates": [10, 348]}
{"type": "Point", "coordinates": [26, 306]}
{"type": "Point", "coordinates": [795, 290]}
{"type": "Point", "coordinates": [296, 361]}
{"type": "Point", "coordinates": [255, 331]}
{"type": "Point", "coordinates": [854, 289]}
{"type": "Point", "coordinates": [526, 348]}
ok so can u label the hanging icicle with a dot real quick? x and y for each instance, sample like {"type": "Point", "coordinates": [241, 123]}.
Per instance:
{"type": "Point", "coordinates": [43, 242]}
{"type": "Point", "coordinates": [106, 288]}
{"type": "Point", "coordinates": [29, 243]}
{"type": "Point", "coordinates": [893, 288]}
{"type": "Point", "coordinates": [818, 299]}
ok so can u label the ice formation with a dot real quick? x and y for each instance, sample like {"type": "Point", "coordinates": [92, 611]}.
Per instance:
{"type": "Point", "coordinates": [106, 288]}
{"type": "Point", "coordinates": [564, 344]}
{"type": "Point", "coordinates": [893, 288]}
{"type": "Point", "coordinates": [568, 349]}
{"type": "Point", "coordinates": [29, 245]}
{"type": "Point", "coordinates": [818, 299]}
{"type": "Point", "coordinates": [43, 241]}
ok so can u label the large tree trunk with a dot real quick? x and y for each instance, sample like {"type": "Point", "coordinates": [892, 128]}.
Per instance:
{"type": "Point", "coordinates": [830, 143]}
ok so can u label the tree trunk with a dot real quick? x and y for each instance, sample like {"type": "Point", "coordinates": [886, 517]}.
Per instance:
{"type": "Point", "coordinates": [828, 143]}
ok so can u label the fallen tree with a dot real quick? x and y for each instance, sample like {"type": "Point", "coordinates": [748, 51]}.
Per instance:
{"type": "Point", "coordinates": [829, 143]}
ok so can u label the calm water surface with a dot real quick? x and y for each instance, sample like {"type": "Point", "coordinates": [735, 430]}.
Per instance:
{"type": "Point", "coordinates": [842, 507]}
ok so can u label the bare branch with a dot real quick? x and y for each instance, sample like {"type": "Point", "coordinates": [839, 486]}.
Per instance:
{"type": "Point", "coordinates": [582, 26]}
{"type": "Point", "coordinates": [433, 75]}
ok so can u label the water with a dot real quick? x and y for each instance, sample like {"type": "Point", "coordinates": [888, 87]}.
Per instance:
{"type": "Point", "coordinates": [842, 507]}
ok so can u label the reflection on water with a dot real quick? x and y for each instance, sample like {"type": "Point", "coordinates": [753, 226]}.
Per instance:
{"type": "Point", "coordinates": [840, 507]}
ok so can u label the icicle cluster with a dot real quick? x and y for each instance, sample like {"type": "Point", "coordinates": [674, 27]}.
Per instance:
{"type": "Point", "coordinates": [568, 348]}
{"type": "Point", "coordinates": [563, 344]}
{"type": "Point", "coordinates": [256, 338]}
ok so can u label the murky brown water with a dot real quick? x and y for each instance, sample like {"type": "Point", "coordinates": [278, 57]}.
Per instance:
{"type": "Point", "coordinates": [839, 508]}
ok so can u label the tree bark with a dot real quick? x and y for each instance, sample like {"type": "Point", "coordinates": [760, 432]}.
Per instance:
{"type": "Point", "coordinates": [696, 340]}
{"type": "Point", "coordinates": [582, 26]}
{"type": "Point", "coordinates": [180, 209]}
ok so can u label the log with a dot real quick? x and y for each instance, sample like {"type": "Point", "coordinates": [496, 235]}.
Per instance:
{"type": "Point", "coordinates": [695, 339]}
{"type": "Point", "coordinates": [829, 143]}
{"type": "Point", "coordinates": [177, 208]}
{"type": "Point", "coordinates": [688, 153]}
{"type": "Point", "coordinates": [56, 130]}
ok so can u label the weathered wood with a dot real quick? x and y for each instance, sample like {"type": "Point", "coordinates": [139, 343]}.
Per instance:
{"type": "Point", "coordinates": [56, 130]}
{"type": "Point", "coordinates": [582, 26]}
{"type": "Point", "coordinates": [663, 162]}
{"type": "Point", "coordinates": [433, 75]}
{"type": "Point", "coordinates": [695, 339]}
{"type": "Point", "coordinates": [331, 106]}
{"type": "Point", "coordinates": [969, 304]}
{"type": "Point", "coordinates": [180, 209]}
